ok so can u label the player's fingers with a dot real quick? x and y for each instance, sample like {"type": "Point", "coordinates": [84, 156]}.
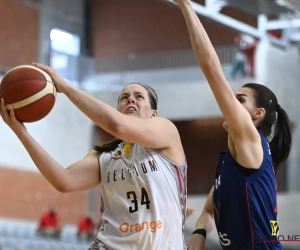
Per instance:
{"type": "Point", "coordinates": [3, 110]}
{"type": "Point", "coordinates": [39, 65]}
{"type": "Point", "coordinates": [42, 66]}
{"type": "Point", "coordinates": [11, 113]}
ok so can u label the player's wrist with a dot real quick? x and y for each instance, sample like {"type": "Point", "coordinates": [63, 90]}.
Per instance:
{"type": "Point", "coordinates": [200, 231]}
{"type": "Point", "coordinates": [67, 89]}
{"type": "Point", "coordinates": [21, 133]}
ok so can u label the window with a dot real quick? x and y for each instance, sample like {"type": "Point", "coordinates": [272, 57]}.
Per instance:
{"type": "Point", "coordinates": [65, 42]}
{"type": "Point", "coordinates": [64, 53]}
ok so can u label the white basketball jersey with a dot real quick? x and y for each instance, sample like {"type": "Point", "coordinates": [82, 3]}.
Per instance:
{"type": "Point", "coordinates": [143, 201]}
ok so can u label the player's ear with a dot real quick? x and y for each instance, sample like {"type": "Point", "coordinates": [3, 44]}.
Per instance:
{"type": "Point", "coordinates": [154, 113]}
{"type": "Point", "coordinates": [259, 113]}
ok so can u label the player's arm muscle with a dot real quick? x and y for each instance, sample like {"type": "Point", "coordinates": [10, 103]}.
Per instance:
{"type": "Point", "coordinates": [84, 174]}
{"type": "Point", "coordinates": [247, 148]}
{"type": "Point", "coordinates": [206, 219]}
{"type": "Point", "coordinates": [59, 177]}
{"type": "Point", "coordinates": [235, 114]}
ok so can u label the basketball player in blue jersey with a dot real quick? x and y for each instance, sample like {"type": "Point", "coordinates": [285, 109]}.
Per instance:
{"type": "Point", "coordinates": [142, 173]}
{"type": "Point", "coordinates": [242, 203]}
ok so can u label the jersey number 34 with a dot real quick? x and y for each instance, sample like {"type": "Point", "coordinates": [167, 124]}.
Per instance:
{"type": "Point", "coordinates": [134, 200]}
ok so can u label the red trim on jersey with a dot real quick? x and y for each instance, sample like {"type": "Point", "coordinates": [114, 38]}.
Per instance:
{"type": "Point", "coordinates": [185, 179]}
{"type": "Point", "coordinates": [251, 229]}
{"type": "Point", "coordinates": [178, 175]}
{"type": "Point", "coordinates": [182, 195]}
{"type": "Point", "coordinates": [217, 212]}
{"type": "Point", "coordinates": [276, 207]}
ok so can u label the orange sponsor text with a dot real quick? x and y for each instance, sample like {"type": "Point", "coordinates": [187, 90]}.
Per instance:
{"type": "Point", "coordinates": [152, 226]}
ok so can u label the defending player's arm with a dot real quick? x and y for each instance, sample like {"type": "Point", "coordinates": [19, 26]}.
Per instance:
{"type": "Point", "coordinates": [235, 114]}
{"type": "Point", "coordinates": [205, 221]}
{"type": "Point", "coordinates": [245, 143]}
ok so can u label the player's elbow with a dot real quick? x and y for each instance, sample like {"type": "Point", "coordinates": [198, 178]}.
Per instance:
{"type": "Point", "coordinates": [63, 187]}
{"type": "Point", "coordinates": [210, 66]}
{"type": "Point", "coordinates": [207, 212]}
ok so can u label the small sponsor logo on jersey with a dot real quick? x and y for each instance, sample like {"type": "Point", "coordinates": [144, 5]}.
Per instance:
{"type": "Point", "coordinates": [269, 150]}
{"type": "Point", "coordinates": [224, 240]}
{"type": "Point", "coordinates": [274, 228]}
{"type": "Point", "coordinates": [152, 226]}
{"type": "Point", "coordinates": [117, 155]}
{"type": "Point", "coordinates": [217, 182]}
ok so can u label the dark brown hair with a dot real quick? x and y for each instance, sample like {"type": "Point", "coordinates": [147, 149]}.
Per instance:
{"type": "Point", "coordinates": [281, 141]}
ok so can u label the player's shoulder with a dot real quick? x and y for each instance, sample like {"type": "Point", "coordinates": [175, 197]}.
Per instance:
{"type": "Point", "coordinates": [92, 153]}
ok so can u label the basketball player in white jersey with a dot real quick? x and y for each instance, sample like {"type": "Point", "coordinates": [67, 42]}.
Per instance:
{"type": "Point", "coordinates": [142, 173]}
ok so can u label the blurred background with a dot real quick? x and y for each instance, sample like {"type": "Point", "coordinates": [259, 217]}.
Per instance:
{"type": "Point", "coordinates": [102, 45]}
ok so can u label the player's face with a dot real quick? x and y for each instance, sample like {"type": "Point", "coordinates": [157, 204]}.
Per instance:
{"type": "Point", "coordinates": [246, 97]}
{"type": "Point", "coordinates": [134, 100]}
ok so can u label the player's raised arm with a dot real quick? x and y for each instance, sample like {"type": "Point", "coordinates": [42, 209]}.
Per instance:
{"type": "Point", "coordinates": [238, 119]}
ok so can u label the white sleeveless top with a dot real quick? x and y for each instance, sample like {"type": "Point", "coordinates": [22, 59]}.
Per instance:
{"type": "Point", "coordinates": [143, 201]}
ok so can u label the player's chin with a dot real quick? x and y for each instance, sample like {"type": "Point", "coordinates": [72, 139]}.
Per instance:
{"type": "Point", "coordinates": [131, 114]}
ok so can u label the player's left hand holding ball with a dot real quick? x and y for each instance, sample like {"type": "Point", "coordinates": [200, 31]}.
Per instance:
{"type": "Point", "coordinates": [60, 83]}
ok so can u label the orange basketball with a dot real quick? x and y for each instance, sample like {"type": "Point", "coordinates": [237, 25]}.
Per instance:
{"type": "Point", "coordinates": [30, 91]}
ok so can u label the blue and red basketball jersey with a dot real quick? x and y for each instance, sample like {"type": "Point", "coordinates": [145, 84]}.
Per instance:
{"type": "Point", "coordinates": [245, 205]}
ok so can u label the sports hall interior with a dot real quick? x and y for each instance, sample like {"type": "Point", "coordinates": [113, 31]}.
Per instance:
{"type": "Point", "coordinates": [102, 45]}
